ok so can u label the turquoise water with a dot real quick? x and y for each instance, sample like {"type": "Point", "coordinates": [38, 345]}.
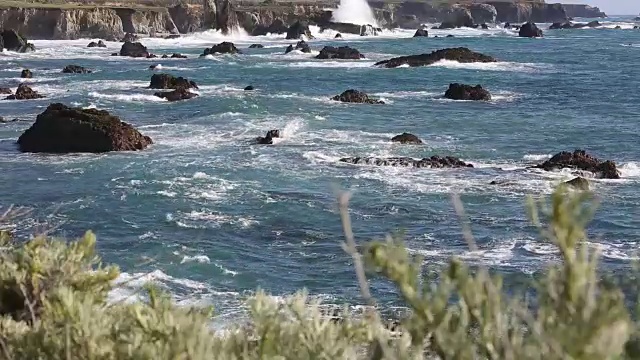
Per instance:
{"type": "Point", "coordinates": [212, 216]}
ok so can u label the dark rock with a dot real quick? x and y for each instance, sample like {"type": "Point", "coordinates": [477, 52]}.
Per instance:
{"type": "Point", "coordinates": [421, 33]}
{"type": "Point", "coordinates": [466, 92]}
{"type": "Point", "coordinates": [26, 74]}
{"type": "Point", "coordinates": [268, 139]}
{"type": "Point", "coordinates": [406, 138]}
{"type": "Point", "coordinates": [446, 26]}
{"type": "Point", "coordinates": [249, 88]}
{"type": "Point", "coordinates": [432, 162]}
{"type": "Point", "coordinates": [450, 36]}
{"type": "Point", "coordinates": [165, 56]}
{"type": "Point", "coordinates": [338, 36]}
{"type": "Point", "coordinates": [166, 81]}
{"type": "Point", "coordinates": [355, 96]}
{"type": "Point", "coordinates": [276, 27]}
{"type": "Point", "coordinates": [63, 129]}
{"type": "Point", "coordinates": [530, 30]}
{"type": "Point", "coordinates": [578, 183]}
{"type": "Point", "coordinates": [342, 52]}
{"type": "Point", "coordinates": [100, 43]}
{"type": "Point", "coordinates": [369, 30]}
{"type": "Point", "coordinates": [637, 18]}
{"type": "Point", "coordinates": [458, 16]}
{"type": "Point", "coordinates": [178, 56]}
{"type": "Point", "coordinates": [507, 25]}
{"type": "Point", "coordinates": [484, 26]}
{"type": "Point", "coordinates": [153, 67]}
{"type": "Point", "coordinates": [129, 37]}
{"type": "Point", "coordinates": [222, 48]}
{"type": "Point", "coordinates": [462, 55]}
{"type": "Point", "coordinates": [75, 69]}
{"type": "Point", "coordinates": [12, 41]}
{"type": "Point", "coordinates": [152, 56]}
{"type": "Point", "coordinates": [564, 25]}
{"type": "Point", "coordinates": [593, 24]}
{"type": "Point", "coordinates": [297, 30]}
{"type": "Point", "coordinates": [173, 36]}
{"type": "Point", "coordinates": [618, 27]}
{"type": "Point", "coordinates": [176, 95]}
{"type": "Point", "coordinates": [580, 160]}
{"type": "Point", "coordinates": [24, 92]}
{"type": "Point", "coordinates": [256, 46]}
{"type": "Point", "coordinates": [301, 45]}
{"type": "Point", "coordinates": [136, 50]}
{"type": "Point", "coordinates": [5, 91]}
{"type": "Point", "coordinates": [115, 54]}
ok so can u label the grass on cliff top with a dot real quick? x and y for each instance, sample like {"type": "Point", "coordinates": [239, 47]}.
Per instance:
{"type": "Point", "coordinates": [53, 305]}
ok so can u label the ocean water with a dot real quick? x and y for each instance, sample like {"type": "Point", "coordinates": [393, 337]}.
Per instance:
{"type": "Point", "coordinates": [212, 217]}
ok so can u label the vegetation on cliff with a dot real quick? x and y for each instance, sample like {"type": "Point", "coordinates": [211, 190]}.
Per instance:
{"type": "Point", "coordinates": [53, 305]}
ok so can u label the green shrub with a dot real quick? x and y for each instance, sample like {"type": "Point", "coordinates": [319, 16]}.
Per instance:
{"type": "Point", "coordinates": [53, 305]}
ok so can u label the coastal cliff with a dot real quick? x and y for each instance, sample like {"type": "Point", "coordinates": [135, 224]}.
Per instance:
{"type": "Point", "coordinates": [111, 23]}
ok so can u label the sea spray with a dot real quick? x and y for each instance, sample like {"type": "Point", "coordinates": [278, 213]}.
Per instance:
{"type": "Point", "coordinates": [354, 12]}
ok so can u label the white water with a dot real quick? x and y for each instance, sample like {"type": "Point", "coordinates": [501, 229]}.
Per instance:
{"type": "Point", "coordinates": [354, 12]}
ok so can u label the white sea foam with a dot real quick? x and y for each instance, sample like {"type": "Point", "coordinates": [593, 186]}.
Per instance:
{"type": "Point", "coordinates": [127, 97]}
{"type": "Point", "coordinates": [354, 12]}
{"type": "Point", "coordinates": [328, 64]}
{"type": "Point", "coordinates": [202, 259]}
{"type": "Point", "coordinates": [537, 157]}
{"type": "Point", "coordinates": [630, 170]}
{"type": "Point", "coordinates": [494, 66]}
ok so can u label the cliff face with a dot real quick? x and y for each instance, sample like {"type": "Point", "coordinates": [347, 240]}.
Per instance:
{"type": "Point", "coordinates": [147, 22]}
{"type": "Point", "coordinates": [584, 11]}
{"type": "Point", "coordinates": [536, 12]}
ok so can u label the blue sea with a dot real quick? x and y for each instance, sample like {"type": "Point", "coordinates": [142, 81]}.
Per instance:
{"type": "Point", "coordinates": [211, 216]}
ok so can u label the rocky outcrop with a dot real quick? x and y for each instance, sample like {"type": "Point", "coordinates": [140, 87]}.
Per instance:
{"type": "Point", "coordinates": [166, 81]}
{"type": "Point", "coordinates": [578, 183]}
{"type": "Point", "coordinates": [249, 88]}
{"type": "Point", "coordinates": [12, 41]}
{"type": "Point", "coordinates": [268, 138]}
{"type": "Point", "coordinates": [459, 16]}
{"type": "Point", "coordinates": [463, 55]}
{"type": "Point", "coordinates": [5, 91]}
{"type": "Point", "coordinates": [100, 43]}
{"type": "Point", "coordinates": [178, 94]}
{"type": "Point", "coordinates": [583, 11]}
{"type": "Point", "coordinates": [467, 92]}
{"type": "Point", "coordinates": [342, 52]}
{"type": "Point", "coordinates": [26, 74]}
{"type": "Point", "coordinates": [130, 37]}
{"type": "Point", "coordinates": [134, 50]}
{"type": "Point", "coordinates": [226, 16]}
{"type": "Point", "coordinates": [580, 160]}
{"type": "Point", "coordinates": [530, 30]}
{"type": "Point", "coordinates": [483, 13]}
{"type": "Point", "coordinates": [151, 23]}
{"type": "Point", "coordinates": [24, 92]}
{"type": "Point", "coordinates": [406, 138]}
{"type": "Point", "coordinates": [63, 129]}
{"type": "Point", "coordinates": [421, 33]}
{"type": "Point", "coordinates": [298, 30]}
{"type": "Point", "coordinates": [75, 69]}
{"type": "Point", "coordinates": [355, 96]}
{"type": "Point", "coordinates": [431, 162]}
{"type": "Point", "coordinates": [222, 48]}
{"type": "Point", "coordinates": [301, 45]}
{"type": "Point", "coordinates": [186, 17]}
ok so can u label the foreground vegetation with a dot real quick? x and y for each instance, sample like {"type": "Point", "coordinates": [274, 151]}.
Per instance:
{"type": "Point", "coordinates": [53, 305]}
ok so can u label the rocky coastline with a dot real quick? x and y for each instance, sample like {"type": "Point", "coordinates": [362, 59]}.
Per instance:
{"type": "Point", "coordinates": [112, 23]}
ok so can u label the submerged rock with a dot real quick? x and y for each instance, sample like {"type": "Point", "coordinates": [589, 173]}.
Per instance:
{"type": "Point", "coordinates": [338, 36]}
{"type": "Point", "coordinates": [75, 69]}
{"type": "Point", "coordinates": [100, 43]}
{"type": "Point", "coordinates": [4, 90]}
{"type": "Point", "coordinates": [530, 30]}
{"type": "Point", "coordinates": [63, 129]}
{"type": "Point", "coordinates": [129, 37]}
{"type": "Point", "coordinates": [406, 138]}
{"type": "Point", "coordinates": [24, 92]}
{"type": "Point", "coordinates": [256, 46]}
{"type": "Point", "coordinates": [467, 92]}
{"type": "Point", "coordinates": [166, 81]}
{"type": "Point", "coordinates": [178, 56]}
{"type": "Point", "coordinates": [301, 45]}
{"type": "Point", "coordinates": [176, 95]}
{"type": "Point", "coordinates": [136, 50]}
{"type": "Point", "coordinates": [268, 138]}
{"type": "Point", "coordinates": [578, 183]}
{"type": "Point", "coordinates": [26, 74]}
{"type": "Point", "coordinates": [355, 96]}
{"type": "Point", "coordinates": [462, 55]}
{"type": "Point", "coordinates": [249, 88]}
{"type": "Point", "coordinates": [222, 48]}
{"type": "Point", "coordinates": [12, 41]}
{"type": "Point", "coordinates": [298, 30]}
{"type": "Point", "coordinates": [431, 162]}
{"type": "Point", "coordinates": [421, 33]}
{"type": "Point", "coordinates": [342, 52]}
{"type": "Point", "coordinates": [580, 160]}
